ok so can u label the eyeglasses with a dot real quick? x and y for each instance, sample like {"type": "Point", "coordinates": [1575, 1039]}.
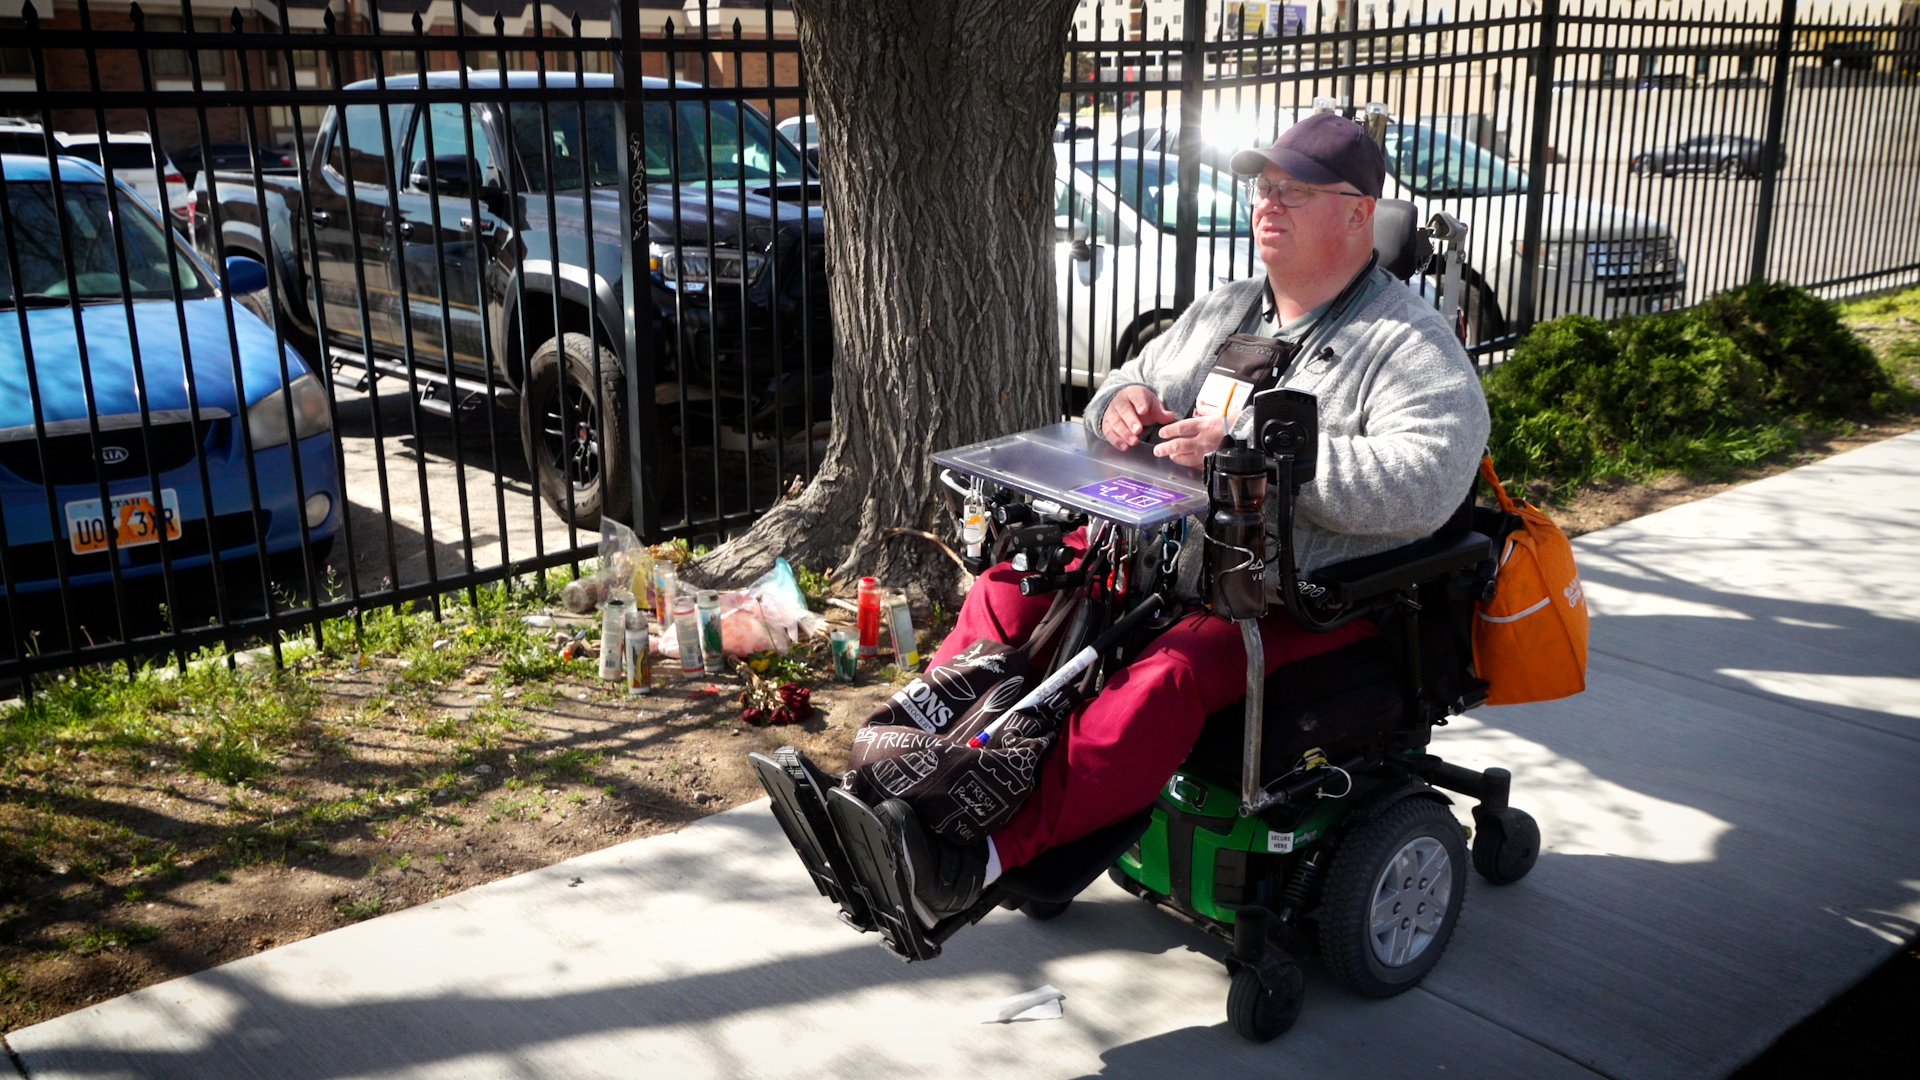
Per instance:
{"type": "Point", "coordinates": [1289, 193]}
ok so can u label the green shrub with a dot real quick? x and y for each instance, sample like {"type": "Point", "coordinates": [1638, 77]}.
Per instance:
{"type": "Point", "coordinates": [1813, 363]}
{"type": "Point", "coordinates": [1725, 384]}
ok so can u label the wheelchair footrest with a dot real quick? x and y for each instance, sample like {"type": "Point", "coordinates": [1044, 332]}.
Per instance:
{"type": "Point", "coordinates": [879, 875]}
{"type": "Point", "coordinates": [799, 792]}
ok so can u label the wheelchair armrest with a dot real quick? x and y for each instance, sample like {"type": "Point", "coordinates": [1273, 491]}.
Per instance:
{"type": "Point", "coordinates": [1371, 575]}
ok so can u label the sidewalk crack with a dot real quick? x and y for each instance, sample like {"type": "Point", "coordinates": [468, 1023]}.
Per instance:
{"type": "Point", "coordinates": [1549, 1048]}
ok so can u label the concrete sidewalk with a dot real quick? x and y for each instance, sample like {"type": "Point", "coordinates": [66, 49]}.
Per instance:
{"type": "Point", "coordinates": [1732, 839]}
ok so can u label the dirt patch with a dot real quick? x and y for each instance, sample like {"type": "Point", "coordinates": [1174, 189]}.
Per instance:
{"type": "Point", "coordinates": [149, 869]}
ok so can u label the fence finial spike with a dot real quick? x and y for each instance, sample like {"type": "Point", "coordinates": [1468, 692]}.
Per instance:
{"type": "Point", "coordinates": [736, 28]}
{"type": "Point", "coordinates": [236, 20]}
{"type": "Point", "coordinates": [576, 24]}
{"type": "Point", "coordinates": [29, 14]}
{"type": "Point", "coordinates": [327, 20]}
{"type": "Point", "coordinates": [134, 15]}
{"type": "Point", "coordinates": [419, 24]}
{"type": "Point", "coordinates": [499, 24]}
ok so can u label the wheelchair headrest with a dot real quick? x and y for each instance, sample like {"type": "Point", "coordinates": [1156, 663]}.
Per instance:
{"type": "Point", "coordinates": [1396, 237]}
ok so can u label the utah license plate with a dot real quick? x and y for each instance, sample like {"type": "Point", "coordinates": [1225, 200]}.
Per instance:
{"type": "Point", "coordinates": [135, 521]}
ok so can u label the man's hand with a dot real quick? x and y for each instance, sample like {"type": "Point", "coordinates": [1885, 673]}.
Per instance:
{"type": "Point", "coordinates": [1188, 442]}
{"type": "Point", "coordinates": [1130, 411]}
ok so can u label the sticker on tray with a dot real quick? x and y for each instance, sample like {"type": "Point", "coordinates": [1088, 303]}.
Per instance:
{"type": "Point", "coordinates": [1136, 495]}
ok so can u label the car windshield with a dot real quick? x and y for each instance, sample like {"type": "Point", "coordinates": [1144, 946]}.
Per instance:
{"type": "Point", "coordinates": [30, 238]}
{"type": "Point", "coordinates": [1437, 165]}
{"type": "Point", "coordinates": [702, 143]}
{"type": "Point", "coordinates": [1150, 187]}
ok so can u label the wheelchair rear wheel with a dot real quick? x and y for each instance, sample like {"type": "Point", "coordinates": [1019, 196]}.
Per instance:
{"type": "Point", "coordinates": [1393, 896]}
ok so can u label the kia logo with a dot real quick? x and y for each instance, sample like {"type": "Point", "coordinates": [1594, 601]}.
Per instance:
{"type": "Point", "coordinates": [113, 455]}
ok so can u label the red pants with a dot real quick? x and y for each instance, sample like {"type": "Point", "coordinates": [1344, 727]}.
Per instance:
{"type": "Point", "coordinates": [1118, 749]}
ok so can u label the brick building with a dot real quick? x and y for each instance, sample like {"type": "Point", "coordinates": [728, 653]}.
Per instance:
{"type": "Point", "coordinates": [175, 70]}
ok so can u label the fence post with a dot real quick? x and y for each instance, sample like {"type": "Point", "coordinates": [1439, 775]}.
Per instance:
{"type": "Point", "coordinates": [1186, 222]}
{"type": "Point", "coordinates": [635, 270]}
{"type": "Point", "coordinates": [1537, 154]}
{"type": "Point", "coordinates": [1770, 153]}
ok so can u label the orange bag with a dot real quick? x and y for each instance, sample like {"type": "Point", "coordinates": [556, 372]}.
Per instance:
{"type": "Point", "coordinates": [1530, 640]}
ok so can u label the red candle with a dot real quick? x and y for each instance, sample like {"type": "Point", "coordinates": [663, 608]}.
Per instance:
{"type": "Point", "coordinates": [869, 597]}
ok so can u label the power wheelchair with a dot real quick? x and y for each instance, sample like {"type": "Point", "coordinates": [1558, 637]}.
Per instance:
{"type": "Point", "coordinates": [1309, 820]}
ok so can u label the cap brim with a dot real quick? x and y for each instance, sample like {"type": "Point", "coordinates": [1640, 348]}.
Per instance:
{"type": "Point", "coordinates": [1298, 165]}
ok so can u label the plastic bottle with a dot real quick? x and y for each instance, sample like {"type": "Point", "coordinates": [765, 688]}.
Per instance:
{"type": "Point", "coordinates": [710, 643]}
{"type": "Point", "coordinates": [686, 626]}
{"type": "Point", "coordinates": [639, 661]}
{"type": "Point", "coordinates": [869, 617]}
{"type": "Point", "coordinates": [613, 636]}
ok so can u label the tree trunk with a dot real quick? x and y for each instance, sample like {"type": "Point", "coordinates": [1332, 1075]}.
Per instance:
{"type": "Point", "coordinates": [935, 124]}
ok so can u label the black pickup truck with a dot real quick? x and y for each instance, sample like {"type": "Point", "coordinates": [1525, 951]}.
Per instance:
{"type": "Point", "coordinates": [472, 199]}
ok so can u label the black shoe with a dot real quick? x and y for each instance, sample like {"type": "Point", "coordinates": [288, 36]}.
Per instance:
{"type": "Point", "coordinates": [947, 878]}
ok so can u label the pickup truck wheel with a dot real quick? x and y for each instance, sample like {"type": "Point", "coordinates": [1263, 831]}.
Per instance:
{"type": "Point", "coordinates": [1480, 318]}
{"type": "Point", "coordinates": [574, 430]}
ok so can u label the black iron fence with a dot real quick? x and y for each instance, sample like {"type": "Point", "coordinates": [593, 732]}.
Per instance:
{"type": "Point", "coordinates": [318, 309]}
{"type": "Point", "coordinates": [1672, 151]}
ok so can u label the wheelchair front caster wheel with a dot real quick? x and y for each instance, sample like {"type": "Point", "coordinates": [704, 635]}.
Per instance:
{"type": "Point", "coordinates": [1261, 1014]}
{"type": "Point", "coordinates": [1042, 910]}
{"type": "Point", "coordinates": [1505, 843]}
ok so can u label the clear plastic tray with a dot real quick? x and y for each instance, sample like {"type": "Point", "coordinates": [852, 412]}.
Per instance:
{"type": "Point", "coordinates": [1065, 463]}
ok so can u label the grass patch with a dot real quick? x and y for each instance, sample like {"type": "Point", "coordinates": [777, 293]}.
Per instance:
{"type": "Point", "coordinates": [228, 724]}
{"type": "Point", "coordinates": [365, 907]}
{"type": "Point", "coordinates": [1725, 385]}
{"type": "Point", "coordinates": [108, 937]}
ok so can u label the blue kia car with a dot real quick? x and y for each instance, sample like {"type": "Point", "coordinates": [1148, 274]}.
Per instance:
{"type": "Point", "coordinates": [52, 464]}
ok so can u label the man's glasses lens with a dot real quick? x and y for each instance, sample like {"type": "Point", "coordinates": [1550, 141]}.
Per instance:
{"type": "Point", "coordinates": [1291, 193]}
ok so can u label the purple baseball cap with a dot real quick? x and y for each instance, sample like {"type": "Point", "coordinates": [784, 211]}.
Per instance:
{"type": "Point", "coordinates": [1325, 148]}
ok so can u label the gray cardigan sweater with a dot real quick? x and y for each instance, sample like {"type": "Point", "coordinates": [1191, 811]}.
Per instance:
{"type": "Point", "coordinates": [1402, 419]}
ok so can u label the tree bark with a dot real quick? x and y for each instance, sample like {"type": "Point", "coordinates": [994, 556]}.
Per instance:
{"type": "Point", "coordinates": [935, 122]}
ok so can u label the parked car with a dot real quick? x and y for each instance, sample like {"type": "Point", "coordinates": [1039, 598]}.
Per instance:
{"type": "Point", "coordinates": [19, 136]}
{"type": "Point", "coordinates": [51, 463]}
{"type": "Point", "coordinates": [1740, 82]}
{"type": "Point", "coordinates": [235, 155]}
{"type": "Point", "coordinates": [737, 268]}
{"type": "Point", "coordinates": [132, 156]}
{"type": "Point", "coordinates": [1596, 259]}
{"type": "Point", "coordinates": [1724, 155]}
{"type": "Point", "coordinates": [790, 129]}
{"type": "Point", "coordinates": [1114, 252]}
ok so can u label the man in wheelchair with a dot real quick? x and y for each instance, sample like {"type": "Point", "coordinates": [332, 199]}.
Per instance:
{"type": "Point", "coordinates": [1401, 428]}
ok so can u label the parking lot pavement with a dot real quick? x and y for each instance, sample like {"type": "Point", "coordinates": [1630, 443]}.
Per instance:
{"type": "Point", "coordinates": [1730, 842]}
{"type": "Point", "coordinates": [454, 494]}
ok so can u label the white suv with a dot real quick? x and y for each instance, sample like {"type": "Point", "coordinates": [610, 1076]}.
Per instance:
{"type": "Point", "coordinates": [1595, 259]}
{"type": "Point", "coordinates": [1114, 251]}
{"type": "Point", "coordinates": [131, 155]}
